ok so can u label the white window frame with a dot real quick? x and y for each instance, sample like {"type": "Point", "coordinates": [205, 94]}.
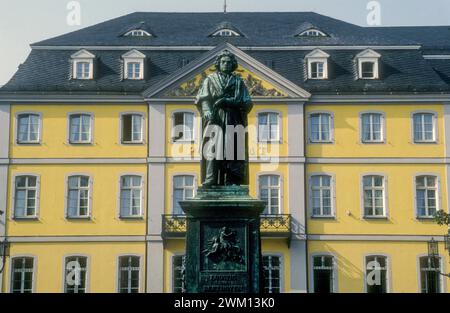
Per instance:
{"type": "Point", "coordinates": [88, 265]}
{"type": "Point", "coordinates": [317, 56]}
{"type": "Point", "coordinates": [335, 284]}
{"type": "Point", "coordinates": [69, 130]}
{"type": "Point", "coordinates": [280, 191]}
{"type": "Point", "coordinates": [385, 197]}
{"type": "Point", "coordinates": [382, 127]}
{"type": "Point", "coordinates": [435, 127]}
{"type": "Point", "coordinates": [118, 269]}
{"type": "Point", "coordinates": [194, 127]}
{"type": "Point", "coordinates": [172, 268]}
{"type": "Point", "coordinates": [369, 56]}
{"type": "Point", "coordinates": [332, 195]}
{"type": "Point", "coordinates": [279, 124]}
{"type": "Point", "coordinates": [142, 197]}
{"type": "Point", "coordinates": [331, 126]}
{"type": "Point", "coordinates": [172, 185]}
{"type": "Point", "coordinates": [11, 277]}
{"type": "Point", "coordinates": [281, 257]}
{"type": "Point", "coordinates": [131, 57]}
{"type": "Point", "coordinates": [137, 33]}
{"type": "Point", "coordinates": [443, 281]}
{"type": "Point", "coordinates": [225, 32]}
{"type": "Point", "coordinates": [312, 32]}
{"type": "Point", "coordinates": [143, 122]}
{"type": "Point", "coordinates": [37, 199]}
{"type": "Point", "coordinates": [438, 195]}
{"type": "Point", "coordinates": [17, 127]}
{"type": "Point", "coordinates": [81, 57]}
{"type": "Point", "coordinates": [90, 192]}
{"type": "Point", "coordinates": [388, 270]}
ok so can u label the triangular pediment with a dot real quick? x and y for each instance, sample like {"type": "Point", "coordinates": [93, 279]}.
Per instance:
{"type": "Point", "coordinates": [82, 54]}
{"type": "Point", "coordinates": [261, 81]}
{"type": "Point", "coordinates": [317, 53]}
{"type": "Point", "coordinates": [368, 53]}
{"type": "Point", "coordinates": [133, 54]}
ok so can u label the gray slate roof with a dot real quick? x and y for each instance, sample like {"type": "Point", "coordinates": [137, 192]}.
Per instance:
{"type": "Point", "coordinates": [48, 70]}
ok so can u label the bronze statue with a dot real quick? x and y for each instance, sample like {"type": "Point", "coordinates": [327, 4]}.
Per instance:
{"type": "Point", "coordinates": [224, 102]}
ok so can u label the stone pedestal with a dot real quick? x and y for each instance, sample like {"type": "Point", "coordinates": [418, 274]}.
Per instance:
{"type": "Point", "coordinates": [223, 246]}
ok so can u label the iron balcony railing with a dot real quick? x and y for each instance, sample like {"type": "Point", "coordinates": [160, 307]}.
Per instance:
{"type": "Point", "coordinates": [274, 225]}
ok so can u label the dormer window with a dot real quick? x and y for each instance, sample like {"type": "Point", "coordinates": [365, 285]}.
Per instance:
{"type": "Point", "coordinates": [317, 62]}
{"type": "Point", "coordinates": [368, 64]}
{"type": "Point", "coordinates": [83, 65]}
{"type": "Point", "coordinates": [312, 33]}
{"type": "Point", "coordinates": [226, 33]}
{"type": "Point", "coordinates": [133, 65]}
{"type": "Point", "coordinates": [137, 33]}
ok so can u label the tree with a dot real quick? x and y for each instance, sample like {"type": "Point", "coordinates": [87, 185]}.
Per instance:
{"type": "Point", "coordinates": [442, 218]}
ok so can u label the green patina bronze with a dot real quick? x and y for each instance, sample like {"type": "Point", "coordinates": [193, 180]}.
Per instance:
{"type": "Point", "coordinates": [224, 102]}
{"type": "Point", "coordinates": [223, 244]}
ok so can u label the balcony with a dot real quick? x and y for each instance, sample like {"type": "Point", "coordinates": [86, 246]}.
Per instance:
{"type": "Point", "coordinates": [272, 226]}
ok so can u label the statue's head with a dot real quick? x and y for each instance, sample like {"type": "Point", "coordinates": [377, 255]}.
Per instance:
{"type": "Point", "coordinates": [226, 62]}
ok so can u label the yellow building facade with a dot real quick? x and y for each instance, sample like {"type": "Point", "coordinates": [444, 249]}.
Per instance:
{"type": "Point", "coordinates": [89, 185]}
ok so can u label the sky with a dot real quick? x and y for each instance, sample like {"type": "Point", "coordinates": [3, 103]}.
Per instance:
{"type": "Point", "coordinates": [23, 22]}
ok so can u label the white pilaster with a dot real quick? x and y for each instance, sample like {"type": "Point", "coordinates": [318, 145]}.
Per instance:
{"type": "Point", "coordinates": [5, 109]}
{"type": "Point", "coordinates": [156, 195]}
{"type": "Point", "coordinates": [297, 251]}
{"type": "Point", "coordinates": [447, 149]}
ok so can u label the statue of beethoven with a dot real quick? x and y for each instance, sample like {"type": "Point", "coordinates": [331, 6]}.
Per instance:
{"type": "Point", "coordinates": [224, 103]}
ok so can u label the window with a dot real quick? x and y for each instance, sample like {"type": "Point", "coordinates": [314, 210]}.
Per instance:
{"type": "Point", "coordinates": [134, 70]}
{"type": "Point", "coordinates": [83, 65]}
{"type": "Point", "coordinates": [374, 201]}
{"type": "Point", "coordinates": [133, 62]}
{"type": "Point", "coordinates": [132, 128]}
{"type": "Point", "coordinates": [26, 197]}
{"type": "Point", "coordinates": [424, 127]}
{"type": "Point", "coordinates": [80, 128]}
{"type": "Point", "coordinates": [28, 128]}
{"type": "Point", "coordinates": [137, 33]}
{"type": "Point", "coordinates": [372, 127]}
{"type": "Point", "coordinates": [75, 274]}
{"type": "Point", "coordinates": [130, 196]}
{"type": "Point", "coordinates": [179, 268]}
{"type": "Point", "coordinates": [376, 274]}
{"type": "Point", "coordinates": [83, 70]}
{"type": "Point", "coordinates": [430, 277]}
{"type": "Point", "coordinates": [317, 70]}
{"type": "Point", "coordinates": [317, 62]}
{"type": "Point", "coordinates": [183, 188]}
{"type": "Point", "coordinates": [22, 275]}
{"type": "Point", "coordinates": [268, 127]}
{"type": "Point", "coordinates": [320, 127]}
{"type": "Point", "coordinates": [368, 64]}
{"type": "Point", "coordinates": [323, 274]}
{"type": "Point", "coordinates": [269, 192]}
{"type": "Point", "coordinates": [367, 70]}
{"type": "Point", "coordinates": [129, 274]}
{"type": "Point", "coordinates": [321, 194]}
{"type": "Point", "coordinates": [183, 129]}
{"type": "Point", "coordinates": [312, 33]}
{"type": "Point", "coordinates": [226, 33]}
{"type": "Point", "coordinates": [78, 205]}
{"type": "Point", "coordinates": [426, 196]}
{"type": "Point", "coordinates": [272, 273]}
